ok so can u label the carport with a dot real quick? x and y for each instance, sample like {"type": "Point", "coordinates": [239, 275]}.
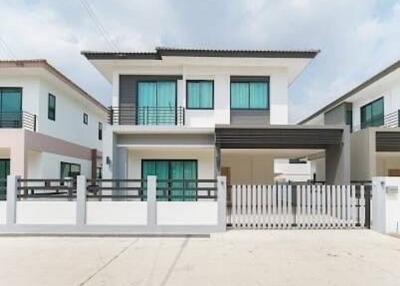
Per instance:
{"type": "Point", "coordinates": [334, 140]}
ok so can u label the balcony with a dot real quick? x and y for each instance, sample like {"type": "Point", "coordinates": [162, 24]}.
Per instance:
{"type": "Point", "coordinates": [390, 120]}
{"type": "Point", "coordinates": [21, 119]}
{"type": "Point", "coordinates": [132, 115]}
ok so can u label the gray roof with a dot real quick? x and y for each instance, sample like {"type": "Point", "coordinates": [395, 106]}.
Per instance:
{"type": "Point", "coordinates": [186, 52]}
{"type": "Point", "coordinates": [355, 90]}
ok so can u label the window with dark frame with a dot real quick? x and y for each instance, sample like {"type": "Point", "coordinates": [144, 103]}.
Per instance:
{"type": "Point", "coordinates": [69, 170]}
{"type": "Point", "coordinates": [85, 118]}
{"type": "Point", "coordinates": [372, 114]}
{"type": "Point", "coordinates": [100, 131]}
{"type": "Point", "coordinates": [200, 94]}
{"type": "Point", "coordinates": [250, 94]}
{"type": "Point", "coordinates": [51, 112]}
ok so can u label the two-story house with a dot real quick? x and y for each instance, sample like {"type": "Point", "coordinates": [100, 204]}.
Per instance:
{"type": "Point", "coordinates": [196, 113]}
{"type": "Point", "coordinates": [49, 126]}
{"type": "Point", "coordinates": [371, 110]}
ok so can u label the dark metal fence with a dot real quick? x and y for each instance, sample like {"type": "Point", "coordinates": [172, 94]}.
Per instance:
{"type": "Point", "coordinates": [132, 115]}
{"type": "Point", "coordinates": [20, 119]}
{"type": "Point", "coordinates": [112, 189]}
{"type": "Point", "coordinates": [187, 190]}
{"type": "Point", "coordinates": [46, 189]}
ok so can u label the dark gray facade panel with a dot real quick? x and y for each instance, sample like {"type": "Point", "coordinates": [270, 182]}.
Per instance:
{"type": "Point", "coordinates": [337, 115]}
{"type": "Point", "coordinates": [250, 117]}
{"type": "Point", "coordinates": [250, 138]}
{"type": "Point", "coordinates": [387, 141]}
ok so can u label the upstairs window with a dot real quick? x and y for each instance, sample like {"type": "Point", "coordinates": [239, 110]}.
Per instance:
{"type": "Point", "coordinates": [100, 131]}
{"type": "Point", "coordinates": [200, 94]}
{"type": "Point", "coordinates": [85, 119]}
{"type": "Point", "coordinates": [372, 114]}
{"type": "Point", "coordinates": [249, 95]}
{"type": "Point", "coordinates": [51, 112]}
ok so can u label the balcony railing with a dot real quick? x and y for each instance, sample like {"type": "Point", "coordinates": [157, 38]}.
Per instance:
{"type": "Point", "coordinates": [20, 119]}
{"type": "Point", "coordinates": [390, 120]}
{"type": "Point", "coordinates": [132, 115]}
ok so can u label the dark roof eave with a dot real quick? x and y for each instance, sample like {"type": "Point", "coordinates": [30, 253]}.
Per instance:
{"type": "Point", "coordinates": [358, 88]}
{"type": "Point", "coordinates": [160, 52]}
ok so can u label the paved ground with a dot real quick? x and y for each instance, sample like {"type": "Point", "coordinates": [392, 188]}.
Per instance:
{"type": "Point", "coordinates": [234, 258]}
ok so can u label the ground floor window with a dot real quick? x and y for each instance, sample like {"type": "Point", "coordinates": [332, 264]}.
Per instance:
{"type": "Point", "coordinates": [70, 170]}
{"type": "Point", "coordinates": [175, 178]}
{"type": "Point", "coordinates": [4, 172]}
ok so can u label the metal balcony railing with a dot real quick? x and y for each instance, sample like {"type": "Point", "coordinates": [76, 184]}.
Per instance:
{"type": "Point", "coordinates": [390, 120]}
{"type": "Point", "coordinates": [20, 119]}
{"type": "Point", "coordinates": [132, 115]}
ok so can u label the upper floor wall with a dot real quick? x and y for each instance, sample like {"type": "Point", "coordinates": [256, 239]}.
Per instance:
{"type": "Point", "coordinates": [248, 87]}
{"type": "Point", "coordinates": [74, 118]}
{"type": "Point", "coordinates": [373, 103]}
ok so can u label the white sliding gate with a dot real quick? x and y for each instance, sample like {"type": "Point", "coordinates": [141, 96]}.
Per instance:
{"type": "Point", "coordinates": [298, 206]}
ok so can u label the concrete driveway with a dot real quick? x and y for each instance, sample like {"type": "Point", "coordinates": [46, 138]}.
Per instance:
{"type": "Point", "coordinates": [355, 257]}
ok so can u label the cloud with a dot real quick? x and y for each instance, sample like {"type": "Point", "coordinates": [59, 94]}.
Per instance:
{"type": "Point", "coordinates": [357, 38]}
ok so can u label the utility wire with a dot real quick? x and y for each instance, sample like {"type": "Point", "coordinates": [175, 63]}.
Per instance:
{"type": "Point", "coordinates": [98, 24]}
{"type": "Point", "coordinates": [7, 49]}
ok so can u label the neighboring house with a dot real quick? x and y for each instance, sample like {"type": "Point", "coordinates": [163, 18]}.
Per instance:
{"type": "Point", "coordinates": [371, 110]}
{"type": "Point", "coordinates": [49, 126]}
{"type": "Point", "coordinates": [196, 113]}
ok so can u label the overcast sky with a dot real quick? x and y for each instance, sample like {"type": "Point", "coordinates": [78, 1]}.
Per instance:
{"type": "Point", "coordinates": [357, 38]}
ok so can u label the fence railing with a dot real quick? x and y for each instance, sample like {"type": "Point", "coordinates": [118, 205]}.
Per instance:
{"type": "Point", "coordinates": [46, 189]}
{"type": "Point", "coordinates": [21, 119]}
{"type": "Point", "coordinates": [133, 115]}
{"type": "Point", "coordinates": [187, 190]}
{"type": "Point", "coordinates": [112, 189]}
{"type": "Point", "coordinates": [389, 120]}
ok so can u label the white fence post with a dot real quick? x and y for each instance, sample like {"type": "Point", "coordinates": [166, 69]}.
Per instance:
{"type": "Point", "coordinates": [152, 202]}
{"type": "Point", "coordinates": [12, 191]}
{"type": "Point", "coordinates": [221, 195]}
{"type": "Point", "coordinates": [81, 200]}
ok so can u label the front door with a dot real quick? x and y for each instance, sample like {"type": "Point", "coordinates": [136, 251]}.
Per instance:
{"type": "Point", "coordinates": [4, 172]}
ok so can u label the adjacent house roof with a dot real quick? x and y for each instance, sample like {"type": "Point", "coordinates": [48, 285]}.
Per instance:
{"type": "Point", "coordinates": [355, 90]}
{"type": "Point", "coordinates": [185, 52]}
{"type": "Point", "coordinates": [41, 63]}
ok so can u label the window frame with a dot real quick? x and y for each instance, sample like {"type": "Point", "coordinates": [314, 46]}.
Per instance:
{"type": "Point", "coordinates": [187, 94]}
{"type": "Point", "coordinates": [70, 165]}
{"type": "Point", "coordinates": [100, 131]}
{"type": "Point", "coordinates": [52, 118]}
{"type": "Point", "coordinates": [365, 125]}
{"type": "Point", "coordinates": [248, 80]}
{"type": "Point", "coordinates": [85, 118]}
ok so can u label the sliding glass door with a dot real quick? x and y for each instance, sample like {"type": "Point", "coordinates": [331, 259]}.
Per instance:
{"type": "Point", "coordinates": [10, 107]}
{"type": "Point", "coordinates": [175, 178]}
{"type": "Point", "coordinates": [156, 103]}
{"type": "Point", "coordinates": [4, 172]}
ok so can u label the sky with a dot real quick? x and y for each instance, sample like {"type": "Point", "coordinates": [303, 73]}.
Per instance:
{"type": "Point", "coordinates": [357, 38]}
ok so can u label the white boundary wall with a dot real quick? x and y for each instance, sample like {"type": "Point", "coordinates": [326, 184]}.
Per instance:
{"type": "Point", "coordinates": [112, 217]}
{"type": "Point", "coordinates": [117, 213]}
{"type": "Point", "coordinates": [187, 213]}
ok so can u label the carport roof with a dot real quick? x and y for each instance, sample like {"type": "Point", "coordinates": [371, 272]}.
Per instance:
{"type": "Point", "coordinates": [277, 136]}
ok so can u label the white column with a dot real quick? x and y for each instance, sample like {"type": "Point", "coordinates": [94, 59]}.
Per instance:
{"type": "Point", "coordinates": [12, 191]}
{"type": "Point", "coordinates": [151, 202]}
{"type": "Point", "coordinates": [81, 200]}
{"type": "Point", "coordinates": [221, 195]}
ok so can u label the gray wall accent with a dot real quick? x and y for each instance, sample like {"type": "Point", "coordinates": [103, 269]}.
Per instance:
{"type": "Point", "coordinates": [128, 86]}
{"type": "Point", "coordinates": [122, 163]}
{"type": "Point", "coordinates": [166, 139]}
{"type": "Point", "coordinates": [338, 163]}
{"type": "Point", "coordinates": [337, 116]}
{"type": "Point", "coordinates": [12, 190]}
{"type": "Point", "coordinates": [250, 117]}
{"type": "Point", "coordinates": [81, 200]}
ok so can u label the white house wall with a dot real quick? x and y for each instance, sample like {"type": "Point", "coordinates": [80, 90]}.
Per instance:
{"type": "Point", "coordinates": [279, 84]}
{"type": "Point", "coordinates": [69, 124]}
